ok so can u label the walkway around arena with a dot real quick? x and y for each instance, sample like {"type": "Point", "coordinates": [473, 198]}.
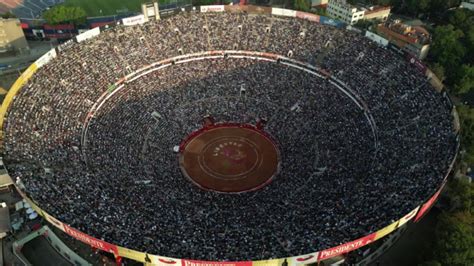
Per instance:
{"type": "Point", "coordinates": [39, 252]}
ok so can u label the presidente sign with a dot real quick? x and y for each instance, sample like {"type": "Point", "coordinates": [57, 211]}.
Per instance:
{"type": "Point", "coordinates": [97, 243]}
{"type": "Point", "coordinates": [344, 248]}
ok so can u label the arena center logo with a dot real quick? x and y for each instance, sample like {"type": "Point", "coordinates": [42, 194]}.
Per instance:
{"type": "Point", "coordinates": [230, 150]}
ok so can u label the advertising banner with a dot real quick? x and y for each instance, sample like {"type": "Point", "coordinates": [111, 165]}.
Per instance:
{"type": "Point", "coordinates": [283, 12]}
{"type": "Point", "coordinates": [235, 8]}
{"type": "Point", "coordinates": [303, 259]}
{"type": "Point", "coordinates": [258, 9]}
{"type": "Point", "coordinates": [43, 60]}
{"type": "Point", "coordinates": [132, 254]}
{"type": "Point", "coordinates": [94, 242]}
{"type": "Point", "coordinates": [53, 221]}
{"type": "Point", "coordinates": [347, 247]}
{"type": "Point", "coordinates": [386, 230]}
{"type": "Point", "coordinates": [130, 21]}
{"type": "Point", "coordinates": [164, 261]}
{"type": "Point", "coordinates": [213, 8]}
{"type": "Point", "coordinates": [307, 16]}
{"type": "Point", "coordinates": [407, 217]}
{"type": "Point", "coordinates": [416, 62]}
{"type": "Point", "coordinates": [88, 34]}
{"type": "Point", "coordinates": [331, 22]}
{"type": "Point", "coordinates": [425, 207]}
{"type": "Point", "coordinates": [376, 38]}
{"type": "Point", "coordinates": [275, 262]}
{"type": "Point", "coordinates": [66, 45]}
{"type": "Point", "coordinates": [214, 263]}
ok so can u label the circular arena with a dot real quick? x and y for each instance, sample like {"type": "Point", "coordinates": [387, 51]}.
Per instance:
{"type": "Point", "coordinates": [228, 136]}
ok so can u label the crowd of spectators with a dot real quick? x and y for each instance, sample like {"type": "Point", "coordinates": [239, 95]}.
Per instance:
{"type": "Point", "coordinates": [338, 181]}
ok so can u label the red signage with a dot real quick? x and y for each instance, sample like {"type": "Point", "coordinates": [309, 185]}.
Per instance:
{"type": "Point", "coordinates": [347, 247]}
{"type": "Point", "coordinates": [425, 207]}
{"type": "Point", "coordinates": [417, 63]}
{"type": "Point", "coordinates": [307, 16]}
{"type": "Point", "coordinates": [214, 263]}
{"type": "Point", "coordinates": [58, 27]}
{"type": "Point", "coordinates": [94, 242]}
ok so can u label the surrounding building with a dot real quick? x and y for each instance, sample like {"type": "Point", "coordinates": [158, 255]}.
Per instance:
{"type": "Point", "coordinates": [340, 9]}
{"type": "Point", "coordinates": [377, 12]}
{"type": "Point", "coordinates": [350, 14]}
{"type": "Point", "coordinates": [413, 39]}
{"type": "Point", "coordinates": [469, 5]}
{"type": "Point", "coordinates": [11, 36]}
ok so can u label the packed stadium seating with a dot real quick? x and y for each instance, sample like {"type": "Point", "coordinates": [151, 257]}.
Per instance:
{"type": "Point", "coordinates": [338, 180]}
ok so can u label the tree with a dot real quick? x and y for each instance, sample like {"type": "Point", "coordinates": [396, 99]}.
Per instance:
{"type": "Point", "coordinates": [65, 14]}
{"type": "Point", "coordinates": [460, 194]}
{"type": "Point", "coordinates": [466, 117]}
{"type": "Point", "coordinates": [321, 11]}
{"type": "Point", "coordinates": [438, 70]}
{"type": "Point", "coordinates": [8, 15]}
{"type": "Point", "coordinates": [465, 82]}
{"type": "Point", "coordinates": [302, 5]}
{"type": "Point", "coordinates": [454, 239]}
{"type": "Point", "coordinates": [365, 24]}
{"type": "Point", "coordinates": [447, 49]}
{"type": "Point", "coordinates": [417, 6]}
{"type": "Point", "coordinates": [430, 263]}
{"type": "Point", "coordinates": [454, 232]}
{"type": "Point", "coordinates": [469, 40]}
{"type": "Point", "coordinates": [423, 5]}
{"type": "Point", "coordinates": [203, 2]}
{"type": "Point", "coordinates": [457, 17]}
{"type": "Point", "coordinates": [384, 2]}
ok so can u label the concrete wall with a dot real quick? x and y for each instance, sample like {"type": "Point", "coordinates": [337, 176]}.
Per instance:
{"type": "Point", "coordinates": [11, 36]}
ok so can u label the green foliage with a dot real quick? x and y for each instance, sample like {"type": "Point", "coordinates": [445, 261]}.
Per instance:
{"type": "Point", "coordinates": [362, 24]}
{"type": "Point", "coordinates": [466, 117]}
{"type": "Point", "coordinates": [447, 48]}
{"type": "Point", "coordinates": [423, 5]}
{"type": "Point", "coordinates": [465, 81]}
{"type": "Point", "coordinates": [302, 5]}
{"type": "Point", "coordinates": [461, 18]}
{"type": "Point", "coordinates": [384, 2]}
{"type": "Point", "coordinates": [321, 11]}
{"type": "Point", "coordinates": [469, 40]}
{"type": "Point", "coordinates": [454, 239]}
{"type": "Point", "coordinates": [438, 70]}
{"type": "Point", "coordinates": [415, 7]}
{"type": "Point", "coordinates": [64, 14]}
{"type": "Point", "coordinates": [430, 263]}
{"type": "Point", "coordinates": [461, 193]}
{"type": "Point", "coordinates": [8, 15]}
{"type": "Point", "coordinates": [454, 233]}
{"type": "Point", "coordinates": [111, 7]}
{"type": "Point", "coordinates": [203, 2]}
{"type": "Point", "coordinates": [451, 51]}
